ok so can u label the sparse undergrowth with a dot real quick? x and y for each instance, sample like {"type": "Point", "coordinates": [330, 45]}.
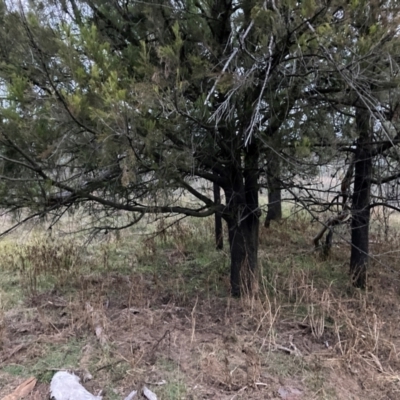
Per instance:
{"type": "Point", "coordinates": [156, 311]}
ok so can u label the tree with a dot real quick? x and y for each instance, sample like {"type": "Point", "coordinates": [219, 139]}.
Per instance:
{"type": "Point", "coordinates": [219, 233]}
{"type": "Point", "coordinates": [126, 106]}
{"type": "Point", "coordinates": [374, 96]}
{"type": "Point", "coordinates": [274, 184]}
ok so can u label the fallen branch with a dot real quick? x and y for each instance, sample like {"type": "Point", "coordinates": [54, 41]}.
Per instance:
{"type": "Point", "coordinates": [341, 218]}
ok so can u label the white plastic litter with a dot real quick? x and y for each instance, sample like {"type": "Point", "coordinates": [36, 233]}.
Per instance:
{"type": "Point", "coordinates": [131, 395]}
{"type": "Point", "coordinates": [66, 386]}
{"type": "Point", "coordinates": [149, 394]}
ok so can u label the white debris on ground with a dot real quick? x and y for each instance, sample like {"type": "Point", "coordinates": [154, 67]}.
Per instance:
{"type": "Point", "coordinates": [66, 386]}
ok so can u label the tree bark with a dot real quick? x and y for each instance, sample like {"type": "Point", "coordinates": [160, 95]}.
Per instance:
{"type": "Point", "coordinates": [219, 239]}
{"type": "Point", "coordinates": [243, 243]}
{"type": "Point", "coordinates": [274, 212]}
{"type": "Point", "coordinates": [243, 224]}
{"type": "Point", "coordinates": [361, 202]}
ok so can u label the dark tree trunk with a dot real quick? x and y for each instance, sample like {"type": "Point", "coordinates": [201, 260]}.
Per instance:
{"type": "Point", "coordinates": [274, 212]}
{"type": "Point", "coordinates": [243, 224]}
{"type": "Point", "coordinates": [361, 202]}
{"type": "Point", "coordinates": [326, 249]}
{"type": "Point", "coordinates": [243, 243]}
{"type": "Point", "coordinates": [219, 239]}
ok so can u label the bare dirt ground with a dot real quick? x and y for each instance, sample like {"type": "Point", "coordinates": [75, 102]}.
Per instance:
{"type": "Point", "coordinates": [174, 328]}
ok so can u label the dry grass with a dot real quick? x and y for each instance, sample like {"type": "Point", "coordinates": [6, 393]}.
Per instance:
{"type": "Point", "coordinates": [156, 312]}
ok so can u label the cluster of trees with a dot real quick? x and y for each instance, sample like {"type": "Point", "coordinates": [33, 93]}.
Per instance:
{"type": "Point", "coordinates": [126, 105]}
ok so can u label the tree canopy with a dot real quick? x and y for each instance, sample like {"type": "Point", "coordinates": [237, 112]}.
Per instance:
{"type": "Point", "coordinates": [127, 105]}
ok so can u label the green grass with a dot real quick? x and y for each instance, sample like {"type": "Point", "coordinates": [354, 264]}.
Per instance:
{"type": "Point", "coordinates": [11, 293]}
{"type": "Point", "coordinates": [284, 365]}
{"type": "Point", "coordinates": [311, 373]}
{"type": "Point", "coordinates": [175, 387]}
{"type": "Point", "coordinates": [15, 370]}
{"type": "Point", "coordinates": [56, 357]}
{"type": "Point", "coordinates": [52, 358]}
{"type": "Point", "coordinates": [173, 390]}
